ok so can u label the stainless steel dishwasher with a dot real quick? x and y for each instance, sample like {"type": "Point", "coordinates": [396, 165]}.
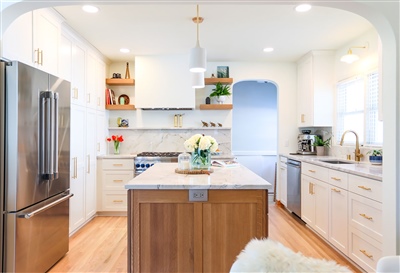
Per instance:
{"type": "Point", "coordinates": [294, 186]}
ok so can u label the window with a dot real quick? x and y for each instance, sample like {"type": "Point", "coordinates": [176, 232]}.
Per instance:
{"type": "Point", "coordinates": [357, 110]}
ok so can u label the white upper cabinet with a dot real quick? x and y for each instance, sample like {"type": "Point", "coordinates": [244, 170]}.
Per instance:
{"type": "Point", "coordinates": [163, 82]}
{"type": "Point", "coordinates": [315, 89]}
{"type": "Point", "coordinates": [46, 37]}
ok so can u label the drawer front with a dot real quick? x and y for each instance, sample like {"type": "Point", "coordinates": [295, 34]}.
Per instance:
{"type": "Point", "coordinates": [115, 201]}
{"type": "Point", "coordinates": [366, 215]}
{"type": "Point", "coordinates": [118, 164]}
{"type": "Point", "coordinates": [363, 250]}
{"type": "Point", "coordinates": [115, 180]}
{"type": "Point", "coordinates": [366, 187]}
{"type": "Point", "coordinates": [338, 179]}
{"type": "Point", "coordinates": [314, 171]}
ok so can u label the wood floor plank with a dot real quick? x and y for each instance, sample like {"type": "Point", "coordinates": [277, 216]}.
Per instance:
{"type": "Point", "coordinates": [101, 245]}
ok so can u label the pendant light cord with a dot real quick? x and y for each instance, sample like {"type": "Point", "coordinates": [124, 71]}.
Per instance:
{"type": "Point", "coordinates": [197, 21]}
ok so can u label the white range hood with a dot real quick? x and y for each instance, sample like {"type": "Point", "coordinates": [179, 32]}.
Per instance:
{"type": "Point", "coordinates": [163, 82]}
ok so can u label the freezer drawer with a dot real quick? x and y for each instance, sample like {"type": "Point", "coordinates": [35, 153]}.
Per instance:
{"type": "Point", "coordinates": [37, 237]}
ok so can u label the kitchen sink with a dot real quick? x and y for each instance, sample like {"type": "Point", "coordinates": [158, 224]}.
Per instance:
{"type": "Point", "coordinates": [335, 161]}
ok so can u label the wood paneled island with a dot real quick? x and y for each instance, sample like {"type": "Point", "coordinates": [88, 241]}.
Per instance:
{"type": "Point", "coordinates": [193, 223]}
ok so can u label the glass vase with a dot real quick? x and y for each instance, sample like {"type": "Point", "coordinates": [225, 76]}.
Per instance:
{"type": "Point", "coordinates": [201, 160]}
{"type": "Point", "coordinates": [116, 147]}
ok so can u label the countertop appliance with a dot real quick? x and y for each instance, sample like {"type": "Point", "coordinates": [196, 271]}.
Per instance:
{"type": "Point", "coordinates": [294, 186]}
{"type": "Point", "coordinates": [35, 169]}
{"type": "Point", "coordinates": [145, 160]}
{"type": "Point", "coordinates": [305, 144]}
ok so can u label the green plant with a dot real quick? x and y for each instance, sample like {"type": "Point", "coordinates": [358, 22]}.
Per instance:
{"type": "Point", "coordinates": [220, 90]}
{"type": "Point", "coordinates": [375, 152]}
{"type": "Point", "coordinates": [318, 141]}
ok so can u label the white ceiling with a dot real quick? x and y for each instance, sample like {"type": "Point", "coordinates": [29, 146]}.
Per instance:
{"type": "Point", "coordinates": [231, 32]}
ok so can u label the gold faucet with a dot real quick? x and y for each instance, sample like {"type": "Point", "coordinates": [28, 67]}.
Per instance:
{"type": "Point", "coordinates": [357, 153]}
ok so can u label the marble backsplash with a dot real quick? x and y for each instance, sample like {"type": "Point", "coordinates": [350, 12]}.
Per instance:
{"type": "Point", "coordinates": [166, 140]}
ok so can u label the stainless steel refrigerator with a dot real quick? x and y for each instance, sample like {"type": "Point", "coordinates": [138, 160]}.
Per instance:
{"type": "Point", "coordinates": [35, 165]}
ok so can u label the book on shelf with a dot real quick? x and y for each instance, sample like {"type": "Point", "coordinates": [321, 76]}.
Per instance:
{"type": "Point", "coordinates": [225, 163]}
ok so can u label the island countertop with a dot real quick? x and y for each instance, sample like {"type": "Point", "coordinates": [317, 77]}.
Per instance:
{"type": "Point", "coordinates": [162, 176]}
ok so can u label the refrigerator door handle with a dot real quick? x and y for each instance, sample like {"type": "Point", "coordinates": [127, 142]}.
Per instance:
{"type": "Point", "coordinates": [36, 212]}
{"type": "Point", "coordinates": [55, 135]}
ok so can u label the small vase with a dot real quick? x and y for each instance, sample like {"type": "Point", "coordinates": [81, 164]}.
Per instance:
{"type": "Point", "coordinates": [320, 150]}
{"type": "Point", "coordinates": [116, 147]}
{"type": "Point", "coordinates": [201, 160]}
{"type": "Point", "coordinates": [221, 99]}
{"type": "Point", "coordinates": [375, 160]}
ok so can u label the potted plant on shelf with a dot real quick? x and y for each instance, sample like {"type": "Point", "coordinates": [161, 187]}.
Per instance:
{"type": "Point", "coordinates": [220, 92]}
{"type": "Point", "coordinates": [376, 156]}
{"type": "Point", "coordinates": [320, 144]}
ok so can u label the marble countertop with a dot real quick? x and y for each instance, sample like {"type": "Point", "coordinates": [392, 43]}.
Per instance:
{"type": "Point", "coordinates": [364, 169]}
{"type": "Point", "coordinates": [162, 176]}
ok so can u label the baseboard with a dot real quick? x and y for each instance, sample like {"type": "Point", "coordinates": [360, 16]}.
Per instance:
{"type": "Point", "coordinates": [112, 213]}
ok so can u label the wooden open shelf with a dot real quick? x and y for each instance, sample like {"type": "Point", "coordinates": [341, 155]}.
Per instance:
{"type": "Point", "coordinates": [120, 81]}
{"type": "Point", "coordinates": [213, 81]}
{"type": "Point", "coordinates": [216, 106]}
{"type": "Point", "coordinates": [120, 107]}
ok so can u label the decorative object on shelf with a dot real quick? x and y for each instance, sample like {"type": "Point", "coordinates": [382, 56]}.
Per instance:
{"type": "Point", "coordinates": [116, 75]}
{"type": "Point", "coordinates": [222, 71]}
{"type": "Point", "coordinates": [205, 124]}
{"type": "Point", "coordinates": [124, 123]}
{"type": "Point", "coordinates": [123, 99]}
{"type": "Point", "coordinates": [219, 124]}
{"type": "Point", "coordinates": [212, 75]}
{"type": "Point", "coordinates": [220, 92]}
{"type": "Point", "coordinates": [117, 142]}
{"type": "Point", "coordinates": [320, 144]}
{"type": "Point", "coordinates": [208, 100]}
{"type": "Point", "coordinates": [376, 157]}
{"type": "Point", "coordinates": [201, 147]}
{"type": "Point", "coordinates": [127, 74]}
{"type": "Point", "coordinates": [212, 124]}
{"type": "Point", "coordinates": [198, 55]}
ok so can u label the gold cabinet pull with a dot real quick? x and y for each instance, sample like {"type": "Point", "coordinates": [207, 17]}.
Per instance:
{"type": "Point", "coordinates": [118, 180]}
{"type": "Point", "coordinates": [303, 118]}
{"type": "Point", "coordinates": [310, 188]}
{"type": "Point", "coordinates": [311, 171]}
{"type": "Point", "coordinates": [88, 164]}
{"type": "Point", "coordinates": [118, 165]}
{"type": "Point", "coordinates": [118, 201]}
{"type": "Point", "coordinates": [75, 90]}
{"type": "Point", "coordinates": [366, 253]}
{"type": "Point", "coordinates": [364, 188]}
{"type": "Point", "coordinates": [335, 190]}
{"type": "Point", "coordinates": [366, 216]}
{"type": "Point", "coordinates": [336, 178]}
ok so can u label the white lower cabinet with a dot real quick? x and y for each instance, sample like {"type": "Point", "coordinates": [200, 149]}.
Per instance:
{"type": "Point", "coordinates": [283, 180]}
{"type": "Point", "coordinates": [346, 210]}
{"type": "Point", "coordinates": [113, 175]}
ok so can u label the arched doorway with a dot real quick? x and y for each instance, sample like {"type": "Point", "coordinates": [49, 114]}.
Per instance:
{"type": "Point", "coordinates": [255, 126]}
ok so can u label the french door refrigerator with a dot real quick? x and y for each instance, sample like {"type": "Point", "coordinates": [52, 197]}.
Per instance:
{"type": "Point", "coordinates": [35, 166]}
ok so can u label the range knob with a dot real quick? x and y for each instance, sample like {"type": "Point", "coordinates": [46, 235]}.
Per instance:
{"type": "Point", "coordinates": [142, 165]}
{"type": "Point", "coordinates": [137, 165]}
{"type": "Point", "coordinates": [152, 164]}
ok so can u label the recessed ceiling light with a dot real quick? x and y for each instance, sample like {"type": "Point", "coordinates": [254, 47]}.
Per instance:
{"type": "Point", "coordinates": [90, 9]}
{"type": "Point", "coordinates": [303, 8]}
{"type": "Point", "coordinates": [124, 50]}
{"type": "Point", "coordinates": [268, 49]}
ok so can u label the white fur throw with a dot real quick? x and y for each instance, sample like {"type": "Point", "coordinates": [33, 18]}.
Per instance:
{"type": "Point", "coordinates": [269, 256]}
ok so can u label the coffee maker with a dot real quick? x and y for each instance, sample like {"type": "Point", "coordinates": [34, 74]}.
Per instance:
{"type": "Point", "coordinates": [305, 144]}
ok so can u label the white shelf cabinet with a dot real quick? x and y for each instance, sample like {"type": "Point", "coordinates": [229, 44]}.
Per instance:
{"type": "Point", "coordinates": [315, 72]}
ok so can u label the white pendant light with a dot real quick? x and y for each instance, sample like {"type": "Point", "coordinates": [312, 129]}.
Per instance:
{"type": "Point", "coordinates": [197, 79]}
{"type": "Point", "coordinates": [198, 55]}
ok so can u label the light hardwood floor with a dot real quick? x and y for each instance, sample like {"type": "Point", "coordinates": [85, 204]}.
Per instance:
{"type": "Point", "coordinates": [101, 245]}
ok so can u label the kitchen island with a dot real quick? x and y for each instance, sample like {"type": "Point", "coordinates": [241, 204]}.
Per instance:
{"type": "Point", "coordinates": [193, 223]}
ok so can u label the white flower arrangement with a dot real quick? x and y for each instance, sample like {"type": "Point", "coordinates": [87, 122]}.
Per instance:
{"type": "Point", "coordinates": [201, 142]}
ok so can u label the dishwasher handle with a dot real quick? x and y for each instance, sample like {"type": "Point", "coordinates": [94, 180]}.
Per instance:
{"type": "Point", "coordinates": [293, 163]}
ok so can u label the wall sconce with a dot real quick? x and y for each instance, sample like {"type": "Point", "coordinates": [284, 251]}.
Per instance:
{"type": "Point", "coordinates": [350, 57]}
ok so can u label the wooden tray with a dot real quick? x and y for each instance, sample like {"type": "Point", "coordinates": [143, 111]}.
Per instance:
{"type": "Point", "coordinates": [194, 171]}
